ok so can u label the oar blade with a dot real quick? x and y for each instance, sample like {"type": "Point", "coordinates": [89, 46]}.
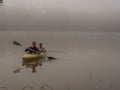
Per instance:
{"type": "Point", "coordinates": [17, 43]}
{"type": "Point", "coordinates": [55, 51]}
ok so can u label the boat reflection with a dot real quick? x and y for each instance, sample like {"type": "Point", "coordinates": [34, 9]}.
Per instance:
{"type": "Point", "coordinates": [33, 64]}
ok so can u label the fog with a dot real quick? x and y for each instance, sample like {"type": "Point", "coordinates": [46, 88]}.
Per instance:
{"type": "Point", "coordinates": [60, 15]}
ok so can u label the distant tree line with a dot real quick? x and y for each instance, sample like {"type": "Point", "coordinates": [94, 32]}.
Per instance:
{"type": "Point", "coordinates": [1, 1]}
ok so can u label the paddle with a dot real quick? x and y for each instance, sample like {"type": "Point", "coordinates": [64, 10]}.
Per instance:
{"type": "Point", "coordinates": [49, 57]}
{"type": "Point", "coordinates": [19, 44]}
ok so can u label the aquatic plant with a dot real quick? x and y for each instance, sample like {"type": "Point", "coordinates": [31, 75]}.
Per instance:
{"type": "Point", "coordinates": [46, 85]}
{"type": "Point", "coordinates": [28, 86]}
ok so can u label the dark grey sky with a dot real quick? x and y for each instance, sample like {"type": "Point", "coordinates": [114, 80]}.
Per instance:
{"type": "Point", "coordinates": [60, 15]}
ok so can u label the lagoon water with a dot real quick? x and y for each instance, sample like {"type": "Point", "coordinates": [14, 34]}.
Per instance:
{"type": "Point", "coordinates": [90, 61]}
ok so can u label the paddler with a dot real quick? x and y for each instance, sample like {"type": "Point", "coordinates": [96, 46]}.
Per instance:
{"type": "Point", "coordinates": [32, 49]}
{"type": "Point", "coordinates": [42, 51]}
{"type": "Point", "coordinates": [41, 48]}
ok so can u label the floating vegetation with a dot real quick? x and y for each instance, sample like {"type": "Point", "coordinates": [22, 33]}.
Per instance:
{"type": "Point", "coordinates": [42, 88]}
{"type": "Point", "coordinates": [111, 86]}
{"type": "Point", "coordinates": [91, 74]}
{"type": "Point", "coordinates": [49, 87]}
{"type": "Point", "coordinates": [28, 87]}
{"type": "Point", "coordinates": [68, 88]}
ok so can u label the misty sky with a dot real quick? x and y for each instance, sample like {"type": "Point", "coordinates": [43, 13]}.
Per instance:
{"type": "Point", "coordinates": [60, 15]}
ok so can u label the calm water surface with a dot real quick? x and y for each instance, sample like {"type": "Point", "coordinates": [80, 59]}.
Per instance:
{"type": "Point", "coordinates": [90, 61]}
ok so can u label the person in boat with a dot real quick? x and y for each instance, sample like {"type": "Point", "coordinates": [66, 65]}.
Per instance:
{"type": "Point", "coordinates": [41, 48]}
{"type": "Point", "coordinates": [42, 51]}
{"type": "Point", "coordinates": [32, 49]}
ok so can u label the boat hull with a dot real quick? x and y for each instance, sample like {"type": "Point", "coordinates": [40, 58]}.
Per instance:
{"type": "Point", "coordinates": [30, 57]}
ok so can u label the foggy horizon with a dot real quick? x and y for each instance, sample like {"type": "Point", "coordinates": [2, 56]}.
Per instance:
{"type": "Point", "coordinates": [44, 15]}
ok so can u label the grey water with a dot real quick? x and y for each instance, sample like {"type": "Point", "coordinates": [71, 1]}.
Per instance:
{"type": "Point", "coordinates": [90, 61]}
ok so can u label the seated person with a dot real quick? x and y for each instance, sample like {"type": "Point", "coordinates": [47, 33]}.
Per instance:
{"type": "Point", "coordinates": [41, 48]}
{"type": "Point", "coordinates": [32, 49]}
{"type": "Point", "coordinates": [42, 51]}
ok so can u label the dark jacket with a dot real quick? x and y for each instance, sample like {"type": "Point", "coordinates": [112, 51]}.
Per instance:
{"type": "Point", "coordinates": [32, 50]}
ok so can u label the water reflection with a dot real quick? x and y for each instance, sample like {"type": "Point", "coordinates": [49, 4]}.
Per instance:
{"type": "Point", "coordinates": [4, 88]}
{"type": "Point", "coordinates": [32, 64]}
{"type": "Point", "coordinates": [17, 69]}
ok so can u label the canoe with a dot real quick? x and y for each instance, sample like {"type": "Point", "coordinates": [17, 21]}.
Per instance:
{"type": "Point", "coordinates": [28, 56]}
